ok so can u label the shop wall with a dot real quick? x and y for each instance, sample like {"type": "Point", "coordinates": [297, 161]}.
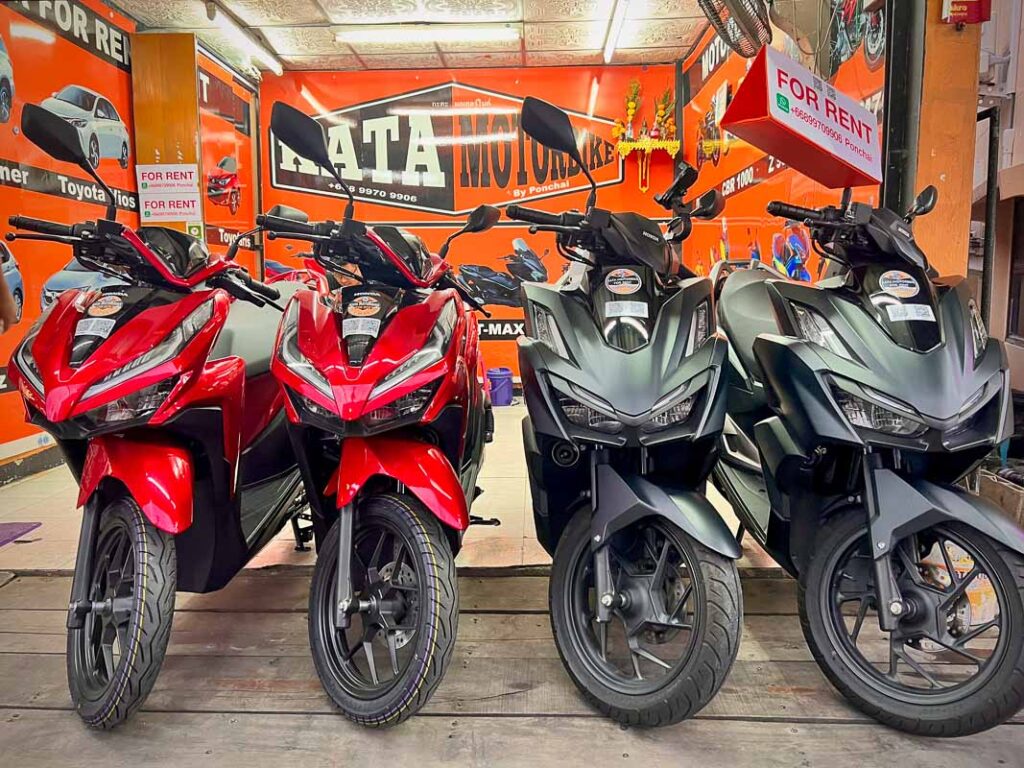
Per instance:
{"type": "Point", "coordinates": [423, 148]}
{"type": "Point", "coordinates": [747, 177]}
{"type": "Point", "coordinates": [56, 54]}
{"type": "Point", "coordinates": [227, 121]}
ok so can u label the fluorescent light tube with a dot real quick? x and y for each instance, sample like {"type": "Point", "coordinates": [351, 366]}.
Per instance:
{"type": "Point", "coordinates": [615, 22]}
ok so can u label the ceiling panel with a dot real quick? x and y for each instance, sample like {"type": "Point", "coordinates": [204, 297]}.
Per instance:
{"type": "Point", "coordinates": [480, 60]}
{"type": "Point", "coordinates": [664, 9]}
{"type": "Point", "coordinates": [565, 35]}
{"type": "Point", "coordinates": [184, 14]}
{"type": "Point", "coordinates": [562, 58]}
{"type": "Point", "coordinates": [303, 41]}
{"type": "Point", "coordinates": [502, 46]}
{"type": "Point", "coordinates": [341, 61]}
{"type": "Point", "coordinates": [404, 61]}
{"type": "Point", "coordinates": [648, 55]}
{"type": "Point", "coordinates": [380, 49]}
{"type": "Point", "coordinates": [659, 33]}
{"type": "Point", "coordinates": [394, 11]}
{"type": "Point", "coordinates": [268, 13]}
{"type": "Point", "coordinates": [567, 10]}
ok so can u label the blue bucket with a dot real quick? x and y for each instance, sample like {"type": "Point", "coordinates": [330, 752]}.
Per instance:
{"type": "Point", "coordinates": [501, 385]}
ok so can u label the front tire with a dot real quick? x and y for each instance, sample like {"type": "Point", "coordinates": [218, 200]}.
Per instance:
{"type": "Point", "coordinates": [113, 659]}
{"type": "Point", "coordinates": [953, 675]}
{"type": "Point", "coordinates": [695, 605]}
{"type": "Point", "coordinates": [19, 306]}
{"type": "Point", "coordinates": [387, 664]}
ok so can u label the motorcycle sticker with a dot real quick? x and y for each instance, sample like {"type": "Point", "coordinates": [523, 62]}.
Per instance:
{"type": "Point", "coordinates": [622, 282]}
{"type": "Point", "coordinates": [898, 283]}
{"type": "Point", "coordinates": [95, 326]}
{"type": "Point", "coordinates": [626, 309]}
{"type": "Point", "coordinates": [360, 326]}
{"type": "Point", "coordinates": [105, 306]}
{"type": "Point", "coordinates": [363, 306]}
{"type": "Point", "coordinates": [903, 312]}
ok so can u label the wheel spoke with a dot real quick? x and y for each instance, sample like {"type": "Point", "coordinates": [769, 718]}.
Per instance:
{"type": "Point", "coordinates": [368, 651]}
{"type": "Point", "coordinates": [661, 566]}
{"type": "Point", "coordinates": [393, 652]}
{"type": "Point", "coordinates": [642, 652]}
{"type": "Point", "coordinates": [398, 554]}
{"type": "Point", "coordinates": [681, 601]}
{"type": "Point", "coordinates": [375, 557]}
{"type": "Point", "coordinates": [954, 577]}
{"type": "Point", "coordinates": [959, 651]}
{"type": "Point", "coordinates": [107, 652]}
{"type": "Point", "coordinates": [862, 612]}
{"type": "Point", "coordinates": [961, 587]}
{"type": "Point", "coordinates": [979, 630]}
{"type": "Point", "coordinates": [932, 682]}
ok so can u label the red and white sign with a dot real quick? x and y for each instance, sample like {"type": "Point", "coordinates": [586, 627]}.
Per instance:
{"type": "Point", "coordinates": [784, 109]}
{"type": "Point", "coordinates": [966, 11]}
{"type": "Point", "coordinates": [169, 192]}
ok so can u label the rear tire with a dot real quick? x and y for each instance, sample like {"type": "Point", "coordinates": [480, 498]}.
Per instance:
{"type": "Point", "coordinates": [429, 567]}
{"type": "Point", "coordinates": [145, 582]}
{"type": "Point", "coordinates": [716, 630]}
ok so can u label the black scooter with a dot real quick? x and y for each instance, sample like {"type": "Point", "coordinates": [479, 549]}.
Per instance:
{"type": "Point", "coordinates": [855, 406]}
{"type": "Point", "coordinates": [623, 376]}
{"type": "Point", "coordinates": [489, 286]}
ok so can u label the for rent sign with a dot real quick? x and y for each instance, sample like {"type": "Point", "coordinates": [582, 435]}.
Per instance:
{"type": "Point", "coordinates": [169, 192]}
{"type": "Point", "coordinates": [787, 111]}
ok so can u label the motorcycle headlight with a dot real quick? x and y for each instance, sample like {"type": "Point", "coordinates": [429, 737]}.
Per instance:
{"type": "Point", "coordinates": [675, 412]}
{"type": "Point", "coordinates": [583, 415]}
{"type": "Point", "coordinates": [136, 407]}
{"type": "Point", "coordinates": [401, 408]}
{"type": "Point", "coordinates": [297, 362]}
{"type": "Point", "coordinates": [814, 328]}
{"type": "Point", "coordinates": [547, 331]}
{"type": "Point", "coordinates": [868, 415]}
{"type": "Point", "coordinates": [429, 354]}
{"type": "Point", "coordinates": [166, 350]}
{"type": "Point", "coordinates": [23, 357]}
{"type": "Point", "coordinates": [979, 333]}
{"type": "Point", "coordinates": [700, 327]}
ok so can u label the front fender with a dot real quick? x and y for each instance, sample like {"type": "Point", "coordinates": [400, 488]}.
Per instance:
{"type": "Point", "coordinates": [624, 499]}
{"type": "Point", "coordinates": [908, 505]}
{"type": "Point", "coordinates": [157, 474]}
{"type": "Point", "coordinates": [422, 468]}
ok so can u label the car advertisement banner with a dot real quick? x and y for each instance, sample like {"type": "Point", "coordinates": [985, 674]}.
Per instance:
{"type": "Point", "coordinates": [226, 117]}
{"type": "Point", "coordinates": [91, 89]}
{"type": "Point", "coordinates": [424, 150]}
{"type": "Point", "coordinates": [748, 177]}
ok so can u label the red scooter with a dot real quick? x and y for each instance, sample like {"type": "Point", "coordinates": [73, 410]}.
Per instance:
{"type": "Point", "coordinates": [159, 393]}
{"type": "Point", "coordinates": [388, 422]}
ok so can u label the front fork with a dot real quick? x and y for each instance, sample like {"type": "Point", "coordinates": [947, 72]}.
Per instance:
{"type": "Point", "coordinates": [80, 604]}
{"type": "Point", "coordinates": [346, 599]}
{"type": "Point", "coordinates": [891, 605]}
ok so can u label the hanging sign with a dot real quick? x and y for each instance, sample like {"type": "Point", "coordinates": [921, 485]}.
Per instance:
{"type": "Point", "coordinates": [966, 11]}
{"type": "Point", "coordinates": [169, 192]}
{"type": "Point", "coordinates": [790, 113]}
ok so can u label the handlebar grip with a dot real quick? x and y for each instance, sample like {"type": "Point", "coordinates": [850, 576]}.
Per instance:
{"type": "Point", "coordinates": [533, 216]}
{"type": "Point", "coordinates": [787, 211]}
{"type": "Point", "coordinates": [256, 286]}
{"type": "Point", "coordinates": [41, 226]}
{"type": "Point", "coordinates": [279, 224]}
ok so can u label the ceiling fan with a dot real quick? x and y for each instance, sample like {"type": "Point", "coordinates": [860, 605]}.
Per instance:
{"type": "Point", "coordinates": [742, 24]}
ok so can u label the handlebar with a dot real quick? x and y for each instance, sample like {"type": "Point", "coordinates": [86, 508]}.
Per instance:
{"type": "Point", "coordinates": [543, 218]}
{"type": "Point", "coordinates": [41, 226]}
{"type": "Point", "coordinates": [795, 212]}
{"type": "Point", "coordinates": [279, 224]}
{"type": "Point", "coordinates": [255, 285]}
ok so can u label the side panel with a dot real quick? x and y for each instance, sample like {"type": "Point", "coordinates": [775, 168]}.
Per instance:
{"type": "Point", "coordinates": [158, 474]}
{"type": "Point", "coordinates": [420, 467]}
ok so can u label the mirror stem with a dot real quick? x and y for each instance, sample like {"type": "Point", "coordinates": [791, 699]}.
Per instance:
{"type": "Point", "coordinates": [592, 198]}
{"type": "Point", "coordinates": [111, 212]}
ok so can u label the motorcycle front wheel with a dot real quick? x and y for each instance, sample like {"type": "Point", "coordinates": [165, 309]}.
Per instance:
{"type": "Point", "coordinates": [114, 657]}
{"type": "Point", "coordinates": [954, 665]}
{"type": "Point", "coordinates": [385, 665]}
{"type": "Point", "coordinates": [674, 638]}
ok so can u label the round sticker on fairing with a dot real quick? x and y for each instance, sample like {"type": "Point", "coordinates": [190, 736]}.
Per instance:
{"type": "Point", "coordinates": [900, 284]}
{"type": "Point", "coordinates": [105, 306]}
{"type": "Point", "coordinates": [363, 306]}
{"type": "Point", "coordinates": [622, 282]}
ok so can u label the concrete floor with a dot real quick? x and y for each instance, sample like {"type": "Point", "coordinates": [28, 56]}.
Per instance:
{"type": "Point", "coordinates": [49, 498]}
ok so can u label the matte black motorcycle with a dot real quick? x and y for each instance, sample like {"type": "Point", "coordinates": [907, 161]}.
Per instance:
{"type": "Point", "coordinates": [623, 377]}
{"type": "Point", "coordinates": [855, 406]}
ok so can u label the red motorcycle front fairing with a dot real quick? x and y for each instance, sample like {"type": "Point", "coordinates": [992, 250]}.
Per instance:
{"type": "Point", "coordinates": [157, 473]}
{"type": "Point", "coordinates": [422, 468]}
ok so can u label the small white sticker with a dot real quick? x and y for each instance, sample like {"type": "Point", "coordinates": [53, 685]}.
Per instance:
{"type": "Point", "coordinates": [95, 326]}
{"type": "Point", "coordinates": [625, 309]}
{"type": "Point", "coordinates": [902, 312]}
{"type": "Point", "coordinates": [898, 283]}
{"type": "Point", "coordinates": [622, 282]}
{"type": "Point", "coordinates": [360, 326]}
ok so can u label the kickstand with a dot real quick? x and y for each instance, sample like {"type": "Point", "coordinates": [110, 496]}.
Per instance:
{"type": "Point", "coordinates": [477, 520]}
{"type": "Point", "coordinates": [302, 533]}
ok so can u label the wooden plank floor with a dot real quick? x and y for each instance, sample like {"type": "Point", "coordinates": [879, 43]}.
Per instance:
{"type": "Point", "coordinates": [238, 688]}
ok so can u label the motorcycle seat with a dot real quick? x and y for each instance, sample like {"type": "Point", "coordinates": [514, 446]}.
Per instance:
{"type": "Point", "coordinates": [745, 312]}
{"type": "Point", "coordinates": [250, 331]}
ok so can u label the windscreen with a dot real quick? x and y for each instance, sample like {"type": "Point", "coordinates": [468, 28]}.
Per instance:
{"type": "Point", "coordinates": [408, 248]}
{"type": "Point", "coordinates": [183, 255]}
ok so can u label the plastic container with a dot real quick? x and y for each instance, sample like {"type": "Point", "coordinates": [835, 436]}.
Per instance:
{"type": "Point", "coordinates": [501, 385]}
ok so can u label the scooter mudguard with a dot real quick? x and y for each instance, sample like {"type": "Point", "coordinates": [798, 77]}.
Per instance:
{"type": "Point", "coordinates": [422, 468]}
{"type": "Point", "coordinates": [157, 474]}
{"type": "Point", "coordinates": [909, 505]}
{"type": "Point", "coordinates": [624, 499]}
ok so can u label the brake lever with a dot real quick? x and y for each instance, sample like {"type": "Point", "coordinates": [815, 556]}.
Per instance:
{"type": "Point", "coordinates": [10, 237]}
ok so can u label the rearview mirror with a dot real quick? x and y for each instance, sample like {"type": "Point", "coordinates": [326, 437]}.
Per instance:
{"type": "Point", "coordinates": [287, 212]}
{"type": "Point", "coordinates": [302, 134]}
{"type": "Point", "coordinates": [925, 202]}
{"type": "Point", "coordinates": [550, 126]}
{"type": "Point", "coordinates": [482, 218]}
{"type": "Point", "coordinates": [709, 205]}
{"type": "Point", "coordinates": [53, 134]}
